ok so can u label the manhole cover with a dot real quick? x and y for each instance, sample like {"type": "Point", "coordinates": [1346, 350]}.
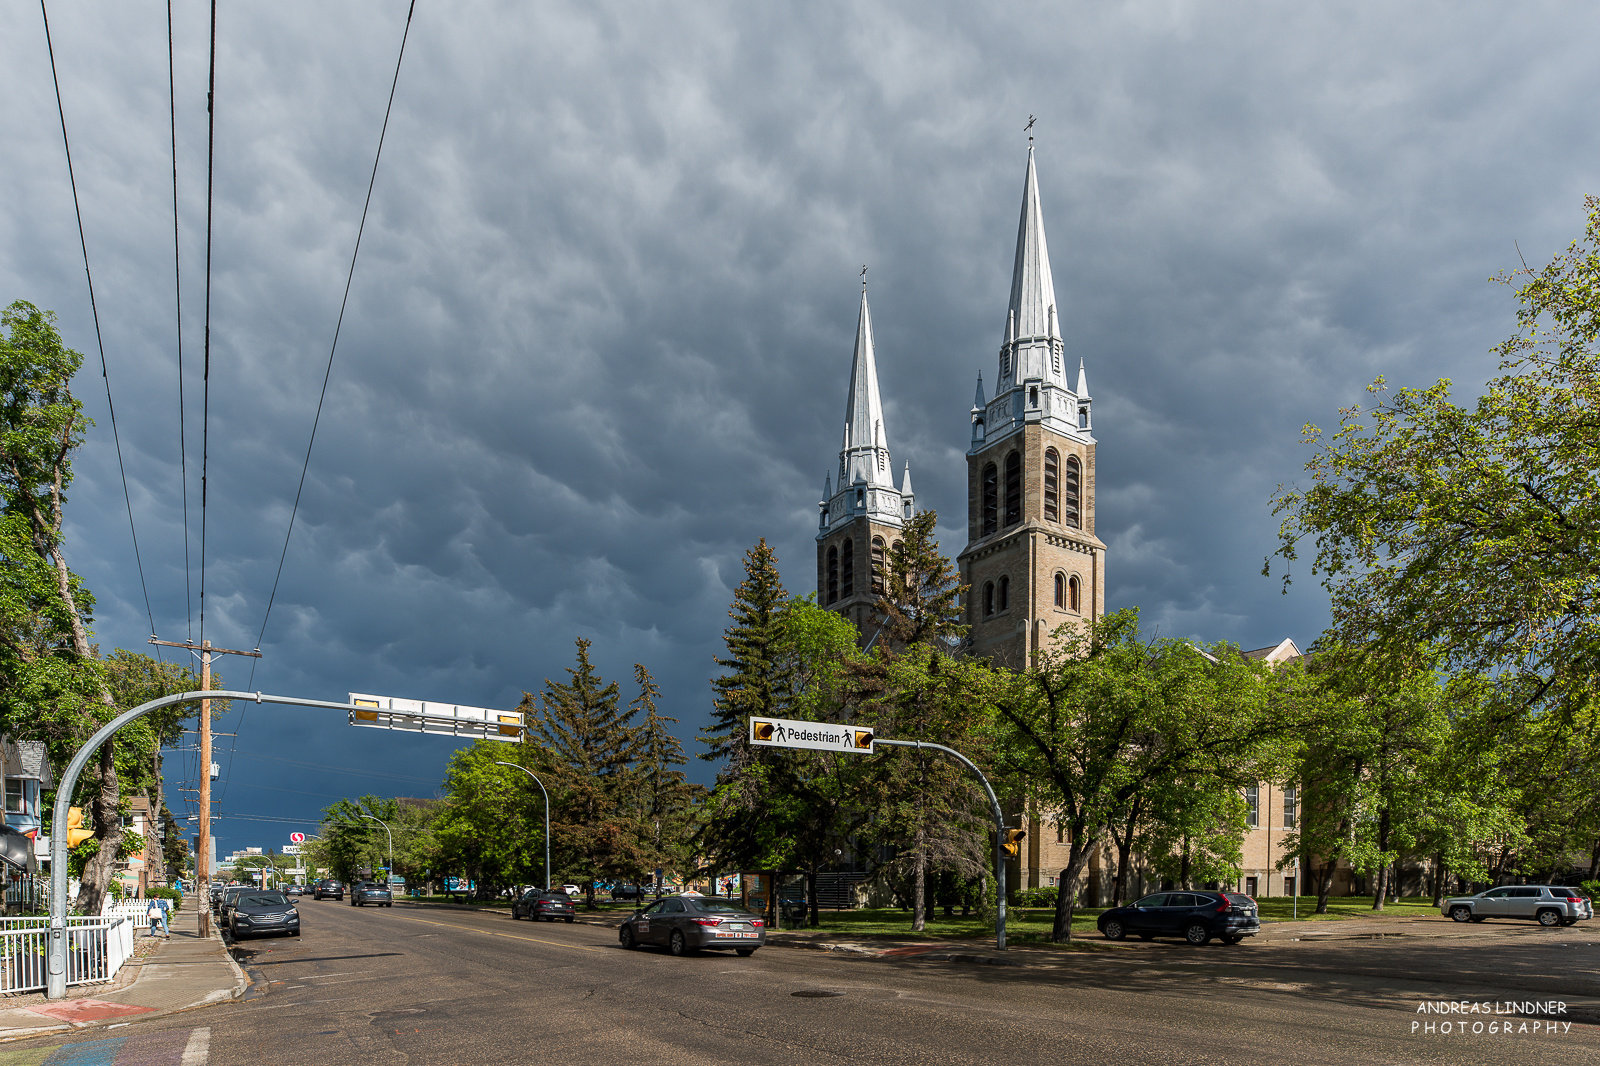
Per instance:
{"type": "Point", "coordinates": [815, 993]}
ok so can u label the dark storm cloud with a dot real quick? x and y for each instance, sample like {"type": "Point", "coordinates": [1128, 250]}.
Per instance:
{"type": "Point", "coordinates": [599, 334]}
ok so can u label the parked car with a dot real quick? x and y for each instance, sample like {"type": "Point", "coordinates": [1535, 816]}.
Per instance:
{"type": "Point", "coordinates": [258, 913]}
{"type": "Point", "coordinates": [328, 890]}
{"type": "Point", "coordinates": [574, 891]}
{"type": "Point", "coordinates": [627, 891]}
{"type": "Point", "coordinates": [229, 894]}
{"type": "Point", "coordinates": [1195, 916]}
{"type": "Point", "coordinates": [686, 924]}
{"type": "Point", "coordinates": [373, 892]}
{"type": "Point", "coordinates": [539, 905]}
{"type": "Point", "coordinates": [1549, 905]}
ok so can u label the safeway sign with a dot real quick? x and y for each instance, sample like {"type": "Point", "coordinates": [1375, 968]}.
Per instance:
{"type": "Point", "coordinates": [815, 736]}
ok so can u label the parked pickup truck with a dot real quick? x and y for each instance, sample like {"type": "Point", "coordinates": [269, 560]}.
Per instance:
{"type": "Point", "coordinates": [1546, 904]}
{"type": "Point", "coordinates": [365, 892]}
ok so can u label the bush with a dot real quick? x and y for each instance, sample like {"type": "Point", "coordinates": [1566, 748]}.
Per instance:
{"type": "Point", "coordinates": [1590, 889]}
{"type": "Point", "coordinates": [1037, 897]}
{"type": "Point", "coordinates": [167, 893]}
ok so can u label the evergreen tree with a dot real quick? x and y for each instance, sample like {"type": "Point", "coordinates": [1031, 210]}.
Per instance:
{"type": "Point", "coordinates": [920, 598]}
{"type": "Point", "coordinates": [592, 748]}
{"type": "Point", "coordinates": [664, 797]}
{"type": "Point", "coordinates": [758, 677]}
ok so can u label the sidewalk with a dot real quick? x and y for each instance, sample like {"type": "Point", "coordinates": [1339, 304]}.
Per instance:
{"type": "Point", "coordinates": [177, 974]}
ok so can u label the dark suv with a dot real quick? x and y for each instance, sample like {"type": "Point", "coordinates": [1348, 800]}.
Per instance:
{"type": "Point", "coordinates": [328, 890]}
{"type": "Point", "coordinates": [372, 892]}
{"type": "Point", "coordinates": [1195, 916]}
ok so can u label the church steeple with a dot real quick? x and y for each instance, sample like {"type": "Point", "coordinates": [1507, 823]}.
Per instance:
{"type": "Point", "coordinates": [866, 450]}
{"type": "Point", "coordinates": [1032, 385]}
{"type": "Point", "coordinates": [865, 485]}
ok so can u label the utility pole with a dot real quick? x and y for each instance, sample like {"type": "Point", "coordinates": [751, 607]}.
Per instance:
{"type": "Point", "coordinates": [202, 861]}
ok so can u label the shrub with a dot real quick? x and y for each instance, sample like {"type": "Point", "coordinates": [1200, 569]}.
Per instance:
{"type": "Point", "coordinates": [1037, 897]}
{"type": "Point", "coordinates": [167, 893]}
{"type": "Point", "coordinates": [1590, 889]}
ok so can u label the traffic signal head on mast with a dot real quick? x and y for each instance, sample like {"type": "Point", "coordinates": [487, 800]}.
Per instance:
{"type": "Point", "coordinates": [1013, 841]}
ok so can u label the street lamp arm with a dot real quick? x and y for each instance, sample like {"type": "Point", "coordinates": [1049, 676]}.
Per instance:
{"type": "Point", "coordinates": [530, 773]}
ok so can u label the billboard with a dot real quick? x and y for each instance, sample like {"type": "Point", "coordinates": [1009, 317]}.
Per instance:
{"type": "Point", "coordinates": [440, 719]}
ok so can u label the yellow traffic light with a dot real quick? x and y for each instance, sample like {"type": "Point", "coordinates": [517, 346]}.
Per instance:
{"type": "Point", "coordinates": [76, 834]}
{"type": "Point", "coordinates": [763, 730]}
{"type": "Point", "coordinates": [863, 738]}
{"type": "Point", "coordinates": [1013, 841]}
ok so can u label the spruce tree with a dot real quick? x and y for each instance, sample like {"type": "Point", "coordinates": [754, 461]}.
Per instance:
{"type": "Point", "coordinates": [663, 795]}
{"type": "Point", "coordinates": [758, 677]}
{"type": "Point", "coordinates": [593, 748]}
{"type": "Point", "coordinates": [920, 601]}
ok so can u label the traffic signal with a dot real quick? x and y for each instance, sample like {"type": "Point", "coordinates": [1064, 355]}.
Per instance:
{"type": "Point", "coordinates": [762, 730]}
{"type": "Point", "coordinates": [76, 834]}
{"type": "Point", "coordinates": [863, 738]}
{"type": "Point", "coordinates": [1013, 841]}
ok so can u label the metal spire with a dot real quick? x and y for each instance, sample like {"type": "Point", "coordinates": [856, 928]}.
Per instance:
{"type": "Point", "coordinates": [864, 410]}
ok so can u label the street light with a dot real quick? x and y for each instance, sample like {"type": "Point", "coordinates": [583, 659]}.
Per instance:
{"type": "Point", "coordinates": [385, 825]}
{"type": "Point", "coordinates": [530, 773]}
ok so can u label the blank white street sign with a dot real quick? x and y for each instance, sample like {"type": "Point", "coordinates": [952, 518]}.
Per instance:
{"type": "Point", "coordinates": [814, 736]}
{"type": "Point", "coordinates": [443, 719]}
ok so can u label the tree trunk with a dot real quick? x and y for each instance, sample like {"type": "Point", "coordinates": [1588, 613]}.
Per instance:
{"type": "Point", "coordinates": [919, 884]}
{"type": "Point", "coordinates": [1594, 862]}
{"type": "Point", "coordinates": [1325, 883]}
{"type": "Point", "coordinates": [1439, 875]}
{"type": "Point", "coordinates": [1183, 867]}
{"type": "Point", "coordinates": [103, 808]}
{"type": "Point", "coordinates": [1083, 845]}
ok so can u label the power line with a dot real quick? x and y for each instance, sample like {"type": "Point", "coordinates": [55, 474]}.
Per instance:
{"type": "Point", "coordinates": [95, 311]}
{"type": "Point", "coordinates": [337, 326]}
{"type": "Point", "coordinates": [177, 285]}
{"type": "Point", "coordinates": [205, 409]}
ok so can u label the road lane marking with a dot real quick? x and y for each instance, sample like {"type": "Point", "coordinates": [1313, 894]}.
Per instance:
{"type": "Point", "coordinates": [198, 1051]}
{"type": "Point", "coordinates": [508, 936]}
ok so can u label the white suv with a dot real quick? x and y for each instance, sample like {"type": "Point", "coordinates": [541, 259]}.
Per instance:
{"type": "Point", "coordinates": [1547, 904]}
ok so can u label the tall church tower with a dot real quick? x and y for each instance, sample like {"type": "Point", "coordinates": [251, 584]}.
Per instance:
{"type": "Point", "coordinates": [1032, 561]}
{"type": "Point", "coordinates": [861, 518]}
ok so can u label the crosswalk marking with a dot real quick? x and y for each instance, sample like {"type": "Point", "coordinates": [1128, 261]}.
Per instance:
{"type": "Point", "coordinates": [170, 1047]}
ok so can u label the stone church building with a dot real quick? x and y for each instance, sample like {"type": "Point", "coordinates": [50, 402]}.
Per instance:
{"type": "Point", "coordinates": [1032, 561]}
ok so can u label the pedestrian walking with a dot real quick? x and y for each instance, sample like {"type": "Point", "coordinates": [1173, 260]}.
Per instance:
{"type": "Point", "coordinates": [155, 914]}
{"type": "Point", "coordinates": [166, 930]}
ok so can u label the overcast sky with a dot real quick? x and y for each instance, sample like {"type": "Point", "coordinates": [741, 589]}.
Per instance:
{"type": "Point", "coordinates": [599, 334]}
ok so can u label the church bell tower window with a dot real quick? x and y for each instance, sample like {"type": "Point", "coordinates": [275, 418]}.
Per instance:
{"type": "Point", "coordinates": [1005, 594]}
{"type": "Point", "coordinates": [833, 574]}
{"type": "Point", "coordinates": [847, 568]}
{"type": "Point", "coordinates": [1074, 480]}
{"type": "Point", "coordinates": [988, 599]}
{"type": "Point", "coordinates": [1052, 486]}
{"type": "Point", "coordinates": [878, 569]}
{"type": "Point", "coordinates": [1013, 488]}
{"type": "Point", "coordinates": [991, 499]}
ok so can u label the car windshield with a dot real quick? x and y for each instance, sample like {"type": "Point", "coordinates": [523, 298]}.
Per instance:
{"type": "Point", "coordinates": [263, 899]}
{"type": "Point", "coordinates": [716, 907]}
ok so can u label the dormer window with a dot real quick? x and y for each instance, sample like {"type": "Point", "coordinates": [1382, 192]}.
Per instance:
{"type": "Point", "coordinates": [1033, 396]}
{"type": "Point", "coordinates": [861, 498]}
{"type": "Point", "coordinates": [1083, 416]}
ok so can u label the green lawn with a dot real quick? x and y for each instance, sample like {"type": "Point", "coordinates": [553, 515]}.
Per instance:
{"type": "Point", "coordinates": [1025, 924]}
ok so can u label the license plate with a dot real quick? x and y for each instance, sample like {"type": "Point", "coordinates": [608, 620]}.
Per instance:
{"type": "Point", "coordinates": [741, 936]}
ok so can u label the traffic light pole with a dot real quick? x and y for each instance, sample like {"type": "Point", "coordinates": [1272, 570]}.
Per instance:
{"type": "Point", "coordinates": [56, 962]}
{"type": "Point", "coordinates": [999, 829]}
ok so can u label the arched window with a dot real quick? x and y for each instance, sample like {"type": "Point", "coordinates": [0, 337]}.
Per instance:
{"type": "Point", "coordinates": [988, 599]}
{"type": "Point", "coordinates": [833, 574]}
{"type": "Point", "coordinates": [1013, 488]}
{"type": "Point", "coordinates": [847, 570]}
{"type": "Point", "coordinates": [1072, 595]}
{"type": "Point", "coordinates": [1052, 485]}
{"type": "Point", "coordinates": [1005, 593]}
{"type": "Point", "coordinates": [1071, 484]}
{"type": "Point", "coordinates": [878, 568]}
{"type": "Point", "coordinates": [894, 548]}
{"type": "Point", "coordinates": [1061, 591]}
{"type": "Point", "coordinates": [991, 499]}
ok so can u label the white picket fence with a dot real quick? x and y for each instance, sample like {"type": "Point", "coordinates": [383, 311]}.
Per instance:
{"type": "Point", "coordinates": [96, 949]}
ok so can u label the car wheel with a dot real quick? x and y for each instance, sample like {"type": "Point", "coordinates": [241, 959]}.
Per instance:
{"type": "Point", "coordinates": [1461, 914]}
{"type": "Point", "coordinates": [569, 920]}
{"type": "Point", "coordinates": [677, 944]}
{"type": "Point", "coordinates": [1197, 934]}
{"type": "Point", "coordinates": [515, 916]}
{"type": "Point", "coordinates": [1549, 918]}
{"type": "Point", "coordinates": [1113, 930]}
{"type": "Point", "coordinates": [295, 933]}
{"type": "Point", "coordinates": [626, 936]}
{"type": "Point", "coordinates": [745, 953]}
{"type": "Point", "coordinates": [391, 904]}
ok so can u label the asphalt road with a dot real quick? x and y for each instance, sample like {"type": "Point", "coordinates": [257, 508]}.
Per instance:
{"type": "Point", "coordinates": [415, 986]}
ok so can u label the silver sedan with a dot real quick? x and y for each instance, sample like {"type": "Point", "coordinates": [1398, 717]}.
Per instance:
{"type": "Point", "coordinates": [686, 924]}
